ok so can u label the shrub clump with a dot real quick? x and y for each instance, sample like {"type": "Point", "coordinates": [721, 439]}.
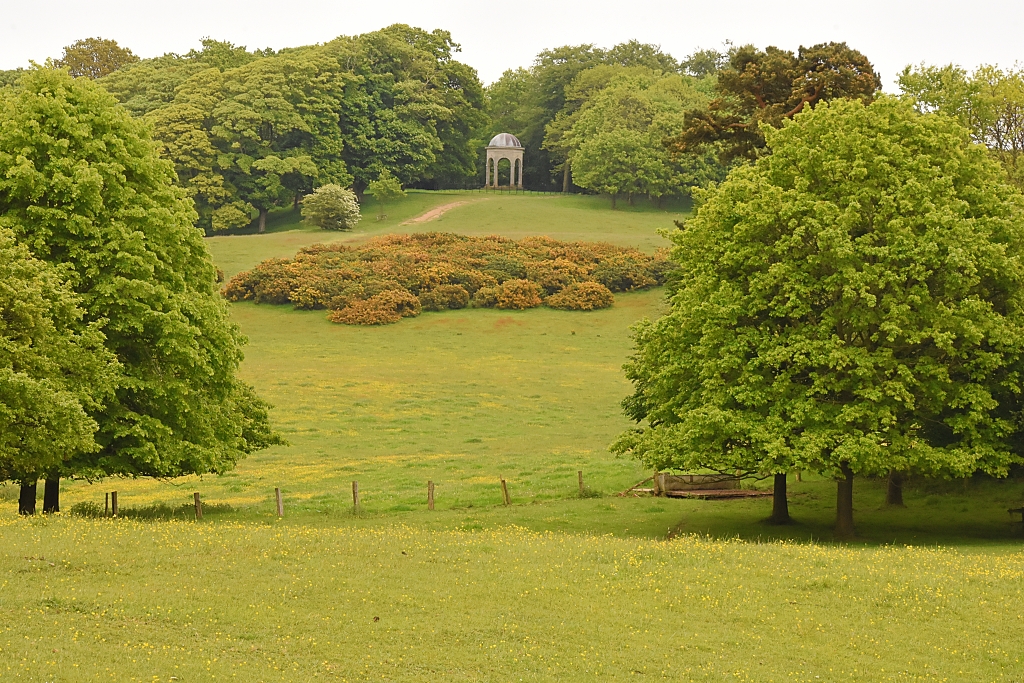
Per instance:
{"type": "Point", "coordinates": [396, 276]}
{"type": "Point", "coordinates": [380, 309]}
{"type": "Point", "coordinates": [517, 294]}
{"type": "Point", "coordinates": [331, 207]}
{"type": "Point", "coordinates": [443, 297]}
{"type": "Point", "coordinates": [582, 296]}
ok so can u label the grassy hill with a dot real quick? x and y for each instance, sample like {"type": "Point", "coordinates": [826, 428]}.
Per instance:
{"type": "Point", "coordinates": [551, 588]}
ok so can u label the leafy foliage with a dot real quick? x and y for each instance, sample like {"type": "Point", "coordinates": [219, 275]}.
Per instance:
{"type": "Point", "coordinates": [582, 296]}
{"type": "Point", "coordinates": [990, 102]}
{"type": "Point", "coordinates": [94, 58]}
{"type": "Point", "coordinates": [613, 127]}
{"type": "Point", "coordinates": [84, 188]}
{"type": "Point", "coordinates": [331, 207]}
{"type": "Point", "coordinates": [386, 188]}
{"type": "Point", "coordinates": [52, 368]}
{"type": "Point", "coordinates": [248, 131]}
{"type": "Point", "coordinates": [527, 102]}
{"type": "Point", "coordinates": [849, 304]}
{"type": "Point", "coordinates": [769, 86]}
{"type": "Point", "coordinates": [397, 276]}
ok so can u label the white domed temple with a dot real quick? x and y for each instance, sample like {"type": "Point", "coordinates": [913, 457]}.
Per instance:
{"type": "Point", "coordinates": [504, 146]}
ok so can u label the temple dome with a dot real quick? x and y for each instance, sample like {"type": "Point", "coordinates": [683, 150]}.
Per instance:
{"type": "Point", "coordinates": [505, 140]}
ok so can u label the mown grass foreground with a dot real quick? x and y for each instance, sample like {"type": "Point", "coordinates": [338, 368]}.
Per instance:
{"type": "Point", "coordinates": [158, 601]}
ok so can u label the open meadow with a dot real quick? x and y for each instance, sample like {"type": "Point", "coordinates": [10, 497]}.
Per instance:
{"type": "Point", "coordinates": [556, 586]}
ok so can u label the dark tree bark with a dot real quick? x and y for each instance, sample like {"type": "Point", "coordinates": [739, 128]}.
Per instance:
{"type": "Point", "coordinates": [51, 494]}
{"type": "Point", "coordinates": [614, 197]}
{"type": "Point", "coordinates": [844, 503]}
{"type": "Point", "coordinates": [780, 503]}
{"type": "Point", "coordinates": [565, 177]}
{"type": "Point", "coordinates": [894, 491]}
{"type": "Point", "coordinates": [27, 499]}
{"type": "Point", "coordinates": [295, 201]}
{"type": "Point", "coordinates": [263, 221]}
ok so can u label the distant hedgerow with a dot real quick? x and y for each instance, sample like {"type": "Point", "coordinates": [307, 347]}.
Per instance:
{"type": "Point", "coordinates": [397, 276]}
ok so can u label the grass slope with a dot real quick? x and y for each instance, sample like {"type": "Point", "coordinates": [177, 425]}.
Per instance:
{"type": "Point", "coordinates": [551, 588]}
{"type": "Point", "coordinates": [162, 601]}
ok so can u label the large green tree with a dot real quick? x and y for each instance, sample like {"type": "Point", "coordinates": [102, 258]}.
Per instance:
{"type": "Point", "coordinates": [851, 304]}
{"type": "Point", "coordinates": [53, 369]}
{"type": "Point", "coordinates": [83, 187]}
{"type": "Point", "coordinates": [769, 86]}
{"type": "Point", "coordinates": [613, 139]}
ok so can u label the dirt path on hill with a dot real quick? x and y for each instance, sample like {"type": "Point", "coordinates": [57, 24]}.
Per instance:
{"type": "Point", "coordinates": [438, 211]}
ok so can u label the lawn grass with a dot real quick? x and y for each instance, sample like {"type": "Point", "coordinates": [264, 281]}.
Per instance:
{"type": "Point", "coordinates": [554, 587]}
{"type": "Point", "coordinates": [570, 217]}
{"type": "Point", "coordinates": [127, 600]}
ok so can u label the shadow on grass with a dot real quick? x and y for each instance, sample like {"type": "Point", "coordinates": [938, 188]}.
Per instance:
{"type": "Point", "coordinates": [278, 220]}
{"type": "Point", "coordinates": [158, 511]}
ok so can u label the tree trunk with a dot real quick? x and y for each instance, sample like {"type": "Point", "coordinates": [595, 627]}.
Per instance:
{"type": "Point", "coordinates": [263, 221]}
{"type": "Point", "coordinates": [565, 177]}
{"type": "Point", "coordinates": [844, 503]}
{"type": "Point", "coordinates": [27, 499]}
{"type": "Point", "coordinates": [780, 503]}
{"type": "Point", "coordinates": [613, 200]}
{"type": "Point", "coordinates": [51, 494]}
{"type": "Point", "coordinates": [894, 491]}
{"type": "Point", "coordinates": [295, 202]}
{"type": "Point", "coordinates": [629, 198]}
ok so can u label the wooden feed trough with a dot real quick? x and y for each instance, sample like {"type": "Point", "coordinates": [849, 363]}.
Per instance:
{"type": "Point", "coordinates": [705, 486]}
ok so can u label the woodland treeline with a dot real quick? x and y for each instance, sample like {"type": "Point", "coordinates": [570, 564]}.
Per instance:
{"type": "Point", "coordinates": [251, 130]}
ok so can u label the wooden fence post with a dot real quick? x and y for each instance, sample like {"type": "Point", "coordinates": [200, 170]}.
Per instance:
{"type": "Point", "coordinates": [430, 495]}
{"type": "Point", "coordinates": [113, 503]}
{"type": "Point", "coordinates": [106, 504]}
{"type": "Point", "coordinates": [504, 492]}
{"type": "Point", "coordinates": [280, 503]}
{"type": "Point", "coordinates": [657, 491]}
{"type": "Point", "coordinates": [579, 474]}
{"type": "Point", "coordinates": [355, 496]}
{"type": "Point", "coordinates": [199, 506]}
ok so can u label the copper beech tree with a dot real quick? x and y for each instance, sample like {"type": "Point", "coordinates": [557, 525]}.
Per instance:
{"type": "Point", "coordinates": [768, 87]}
{"type": "Point", "coordinates": [851, 303]}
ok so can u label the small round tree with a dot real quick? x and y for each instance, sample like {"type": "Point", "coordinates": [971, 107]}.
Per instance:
{"type": "Point", "coordinates": [851, 303]}
{"type": "Point", "coordinates": [331, 207]}
{"type": "Point", "coordinates": [386, 188]}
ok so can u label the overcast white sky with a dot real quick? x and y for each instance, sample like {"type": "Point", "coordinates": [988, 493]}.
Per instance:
{"type": "Point", "coordinates": [500, 35]}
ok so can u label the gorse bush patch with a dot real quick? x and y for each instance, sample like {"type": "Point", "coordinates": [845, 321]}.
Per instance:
{"type": "Point", "coordinates": [398, 276]}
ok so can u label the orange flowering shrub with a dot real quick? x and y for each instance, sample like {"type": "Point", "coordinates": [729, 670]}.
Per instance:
{"type": "Point", "coordinates": [582, 296]}
{"type": "Point", "coordinates": [396, 276]}
{"type": "Point", "coordinates": [517, 294]}
{"type": "Point", "coordinates": [443, 297]}
{"type": "Point", "coordinates": [380, 309]}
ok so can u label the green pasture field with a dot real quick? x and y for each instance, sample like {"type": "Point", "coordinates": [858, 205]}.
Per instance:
{"type": "Point", "coordinates": [130, 600]}
{"type": "Point", "coordinates": [554, 587]}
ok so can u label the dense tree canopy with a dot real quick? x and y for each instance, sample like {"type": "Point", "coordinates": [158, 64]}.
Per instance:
{"type": "Point", "coordinates": [990, 102]}
{"type": "Point", "coordinates": [526, 102]}
{"type": "Point", "coordinates": [614, 136]}
{"type": "Point", "coordinates": [769, 86]}
{"type": "Point", "coordinates": [249, 131]}
{"type": "Point", "coordinates": [53, 368]}
{"type": "Point", "coordinates": [851, 304]}
{"type": "Point", "coordinates": [84, 189]}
